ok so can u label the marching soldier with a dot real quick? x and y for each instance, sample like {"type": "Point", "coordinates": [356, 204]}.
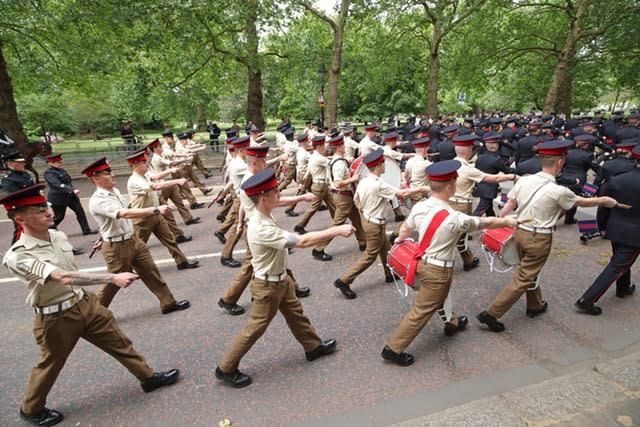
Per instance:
{"type": "Point", "coordinates": [446, 148]}
{"type": "Point", "coordinates": [435, 269]}
{"type": "Point", "coordinates": [373, 195]}
{"type": "Point", "coordinates": [621, 162]}
{"type": "Point", "coordinates": [524, 147]}
{"type": "Point", "coordinates": [489, 162]}
{"type": "Point", "coordinates": [272, 288]}
{"type": "Point", "coordinates": [302, 177]}
{"type": "Point", "coordinates": [194, 147]}
{"type": "Point", "coordinates": [121, 248]}
{"type": "Point", "coordinates": [183, 148]}
{"type": "Point", "coordinates": [415, 168]}
{"type": "Point", "coordinates": [42, 260]}
{"type": "Point", "coordinates": [537, 197]}
{"type": "Point", "coordinates": [290, 148]}
{"type": "Point", "coordinates": [169, 154]}
{"type": "Point", "coordinates": [367, 144]}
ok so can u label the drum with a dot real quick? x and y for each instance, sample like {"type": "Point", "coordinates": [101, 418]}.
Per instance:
{"type": "Point", "coordinates": [499, 243]}
{"type": "Point", "coordinates": [402, 262]}
{"type": "Point", "coordinates": [359, 167]}
{"type": "Point", "coordinates": [392, 174]}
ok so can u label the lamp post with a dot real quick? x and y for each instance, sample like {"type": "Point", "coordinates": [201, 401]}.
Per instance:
{"type": "Point", "coordinates": [323, 72]}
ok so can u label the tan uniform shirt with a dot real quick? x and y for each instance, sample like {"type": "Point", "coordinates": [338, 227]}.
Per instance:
{"type": "Point", "coordinates": [318, 166]}
{"type": "Point", "coordinates": [302, 161]}
{"type": "Point", "coordinates": [237, 168]}
{"type": "Point", "coordinates": [267, 242]}
{"type": "Point", "coordinates": [392, 154]}
{"type": "Point", "coordinates": [245, 201]}
{"type": "Point", "coordinates": [468, 177]}
{"type": "Point", "coordinates": [367, 146]}
{"type": "Point", "coordinates": [415, 170]}
{"type": "Point", "coordinates": [140, 193]}
{"type": "Point", "coordinates": [182, 149]}
{"type": "Point", "coordinates": [374, 195]}
{"type": "Point", "coordinates": [33, 260]}
{"type": "Point", "coordinates": [443, 243]}
{"type": "Point", "coordinates": [104, 207]}
{"type": "Point", "coordinates": [341, 171]}
{"type": "Point", "coordinates": [549, 206]}
{"type": "Point", "coordinates": [350, 147]}
{"type": "Point", "coordinates": [291, 149]}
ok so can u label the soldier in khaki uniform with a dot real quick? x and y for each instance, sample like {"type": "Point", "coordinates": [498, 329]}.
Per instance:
{"type": "Point", "coordinates": [391, 141]}
{"type": "Point", "coordinates": [373, 195]}
{"type": "Point", "coordinates": [194, 147]}
{"type": "Point", "coordinates": [462, 200]}
{"type": "Point", "coordinates": [43, 260]}
{"type": "Point", "coordinates": [317, 168]}
{"type": "Point", "coordinates": [224, 198]}
{"type": "Point", "coordinates": [161, 165]}
{"type": "Point", "coordinates": [169, 154]}
{"type": "Point", "coordinates": [367, 144]}
{"type": "Point", "coordinates": [272, 289]}
{"type": "Point", "coordinates": [290, 148]}
{"type": "Point", "coordinates": [229, 301]}
{"type": "Point", "coordinates": [415, 168]}
{"type": "Point", "coordinates": [435, 269]}
{"type": "Point", "coordinates": [350, 145]}
{"type": "Point", "coordinates": [142, 194]}
{"type": "Point", "coordinates": [121, 248]}
{"type": "Point", "coordinates": [302, 178]}
{"type": "Point", "coordinates": [539, 197]}
{"type": "Point", "coordinates": [341, 185]}
{"type": "Point", "coordinates": [181, 147]}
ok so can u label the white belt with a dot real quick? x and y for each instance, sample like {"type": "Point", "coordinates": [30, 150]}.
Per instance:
{"type": "Point", "coordinates": [439, 263]}
{"type": "Point", "coordinates": [374, 220]}
{"type": "Point", "coordinates": [120, 238]}
{"type": "Point", "coordinates": [271, 277]}
{"type": "Point", "coordinates": [318, 181]}
{"type": "Point", "coordinates": [541, 230]}
{"type": "Point", "coordinates": [61, 306]}
{"type": "Point", "coordinates": [461, 201]}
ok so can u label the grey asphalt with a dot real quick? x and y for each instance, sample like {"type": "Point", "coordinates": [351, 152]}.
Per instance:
{"type": "Point", "coordinates": [561, 368]}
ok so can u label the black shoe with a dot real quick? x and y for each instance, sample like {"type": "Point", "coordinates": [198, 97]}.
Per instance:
{"type": "Point", "coordinates": [400, 218]}
{"type": "Point", "coordinates": [291, 213]}
{"type": "Point", "coordinates": [77, 251]}
{"type": "Point", "coordinates": [345, 289]}
{"type": "Point", "coordinates": [229, 262]}
{"type": "Point", "coordinates": [46, 417]}
{"type": "Point", "coordinates": [323, 208]}
{"type": "Point", "coordinates": [402, 359]}
{"type": "Point", "coordinates": [299, 230]}
{"type": "Point", "coordinates": [158, 379]}
{"type": "Point", "coordinates": [474, 264]}
{"type": "Point", "coordinates": [193, 220]}
{"type": "Point", "coordinates": [389, 279]}
{"type": "Point", "coordinates": [183, 238]}
{"type": "Point", "coordinates": [534, 313]}
{"type": "Point", "coordinates": [392, 238]}
{"type": "Point", "coordinates": [451, 329]}
{"type": "Point", "coordinates": [207, 191]}
{"type": "Point", "coordinates": [490, 321]}
{"type": "Point", "coordinates": [207, 175]}
{"type": "Point", "coordinates": [588, 308]}
{"type": "Point", "coordinates": [221, 218]}
{"type": "Point", "coordinates": [232, 309]}
{"type": "Point", "coordinates": [197, 205]}
{"type": "Point", "coordinates": [303, 292]}
{"type": "Point", "coordinates": [362, 247]}
{"type": "Point", "coordinates": [626, 292]}
{"type": "Point", "coordinates": [190, 263]}
{"type": "Point", "coordinates": [87, 233]}
{"type": "Point", "coordinates": [326, 347]}
{"type": "Point", "coordinates": [570, 221]}
{"type": "Point", "coordinates": [237, 379]}
{"type": "Point", "coordinates": [177, 306]}
{"type": "Point", "coordinates": [321, 255]}
{"type": "Point", "coordinates": [220, 237]}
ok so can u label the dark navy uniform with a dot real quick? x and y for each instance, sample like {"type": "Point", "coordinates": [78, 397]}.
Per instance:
{"type": "Point", "coordinates": [524, 148]}
{"type": "Point", "coordinates": [612, 167]}
{"type": "Point", "coordinates": [14, 182]}
{"type": "Point", "coordinates": [447, 150]}
{"type": "Point", "coordinates": [490, 163]}
{"type": "Point", "coordinates": [577, 164]}
{"type": "Point", "coordinates": [622, 228]}
{"type": "Point", "coordinates": [61, 196]}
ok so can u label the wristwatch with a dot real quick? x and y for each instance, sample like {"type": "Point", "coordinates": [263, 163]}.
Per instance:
{"type": "Point", "coordinates": [156, 211]}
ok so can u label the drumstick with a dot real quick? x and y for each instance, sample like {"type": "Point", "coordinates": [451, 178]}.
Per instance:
{"type": "Point", "coordinates": [622, 206]}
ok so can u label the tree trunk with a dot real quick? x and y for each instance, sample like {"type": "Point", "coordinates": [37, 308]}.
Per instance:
{"type": "Point", "coordinates": [8, 113]}
{"type": "Point", "coordinates": [202, 121]}
{"type": "Point", "coordinates": [336, 63]}
{"type": "Point", "coordinates": [434, 70]}
{"type": "Point", "coordinates": [254, 73]}
{"type": "Point", "coordinates": [562, 73]}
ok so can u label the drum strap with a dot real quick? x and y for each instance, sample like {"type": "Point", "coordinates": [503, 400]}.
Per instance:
{"type": "Point", "coordinates": [438, 218]}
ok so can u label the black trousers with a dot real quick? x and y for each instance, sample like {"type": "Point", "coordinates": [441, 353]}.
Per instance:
{"type": "Point", "coordinates": [618, 270]}
{"type": "Point", "coordinates": [75, 205]}
{"type": "Point", "coordinates": [484, 206]}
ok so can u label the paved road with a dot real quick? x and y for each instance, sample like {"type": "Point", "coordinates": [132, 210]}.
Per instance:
{"type": "Point", "coordinates": [353, 386]}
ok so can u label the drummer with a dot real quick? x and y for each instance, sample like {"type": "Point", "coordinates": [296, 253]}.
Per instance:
{"type": "Point", "coordinates": [367, 144]}
{"type": "Point", "coordinates": [373, 195]}
{"type": "Point", "coordinates": [435, 270]}
{"type": "Point", "coordinates": [414, 170]}
{"type": "Point", "coordinates": [462, 200]}
{"type": "Point", "coordinates": [389, 147]}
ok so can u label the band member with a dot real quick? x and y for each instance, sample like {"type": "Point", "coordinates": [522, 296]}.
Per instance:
{"type": "Point", "coordinates": [491, 163]}
{"type": "Point", "coordinates": [42, 259]}
{"type": "Point", "coordinates": [622, 228]}
{"type": "Point", "coordinates": [373, 195]}
{"type": "Point", "coordinates": [302, 164]}
{"type": "Point", "coordinates": [169, 154]}
{"type": "Point", "coordinates": [435, 269]}
{"type": "Point", "coordinates": [540, 198]}
{"type": "Point", "coordinates": [272, 289]}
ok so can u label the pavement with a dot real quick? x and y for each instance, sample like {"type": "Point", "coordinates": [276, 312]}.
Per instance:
{"type": "Point", "coordinates": [560, 368]}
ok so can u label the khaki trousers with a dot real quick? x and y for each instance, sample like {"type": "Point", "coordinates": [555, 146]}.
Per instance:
{"type": "Point", "coordinates": [267, 299]}
{"type": "Point", "coordinates": [290, 175]}
{"type": "Point", "coordinates": [303, 187]}
{"type": "Point", "coordinates": [57, 335]}
{"type": "Point", "coordinates": [184, 190]}
{"type": "Point", "coordinates": [377, 246]}
{"type": "Point", "coordinates": [345, 209]}
{"type": "Point", "coordinates": [157, 225]}
{"type": "Point", "coordinates": [173, 226]}
{"type": "Point", "coordinates": [533, 249]}
{"type": "Point", "coordinates": [321, 191]}
{"type": "Point", "coordinates": [463, 247]}
{"type": "Point", "coordinates": [197, 162]}
{"type": "Point", "coordinates": [190, 174]}
{"type": "Point", "coordinates": [435, 284]}
{"type": "Point", "coordinates": [232, 216]}
{"type": "Point", "coordinates": [226, 206]}
{"type": "Point", "coordinates": [172, 193]}
{"type": "Point", "coordinates": [127, 256]}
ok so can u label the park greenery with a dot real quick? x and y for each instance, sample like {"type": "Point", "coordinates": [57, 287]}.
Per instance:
{"type": "Point", "coordinates": [79, 67]}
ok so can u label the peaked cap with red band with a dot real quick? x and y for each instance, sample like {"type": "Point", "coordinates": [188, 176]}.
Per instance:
{"type": "Point", "coordinates": [445, 170]}
{"type": "Point", "coordinates": [374, 158]}
{"type": "Point", "coordinates": [423, 141]}
{"type": "Point", "coordinates": [259, 183]}
{"type": "Point", "coordinates": [318, 140]}
{"type": "Point", "coordinates": [492, 137]}
{"type": "Point", "coordinates": [627, 145]}
{"type": "Point", "coordinates": [260, 152]}
{"type": "Point", "coordinates": [95, 167]}
{"type": "Point", "coordinates": [464, 140]}
{"type": "Point", "coordinates": [554, 148]}
{"type": "Point", "coordinates": [54, 157]}
{"type": "Point", "coordinates": [636, 152]}
{"type": "Point", "coordinates": [336, 141]}
{"type": "Point", "coordinates": [391, 136]}
{"type": "Point", "coordinates": [29, 196]}
{"type": "Point", "coordinates": [137, 156]}
{"type": "Point", "coordinates": [303, 138]}
{"type": "Point", "coordinates": [153, 144]}
{"type": "Point", "coordinates": [241, 142]}
{"type": "Point", "coordinates": [371, 127]}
